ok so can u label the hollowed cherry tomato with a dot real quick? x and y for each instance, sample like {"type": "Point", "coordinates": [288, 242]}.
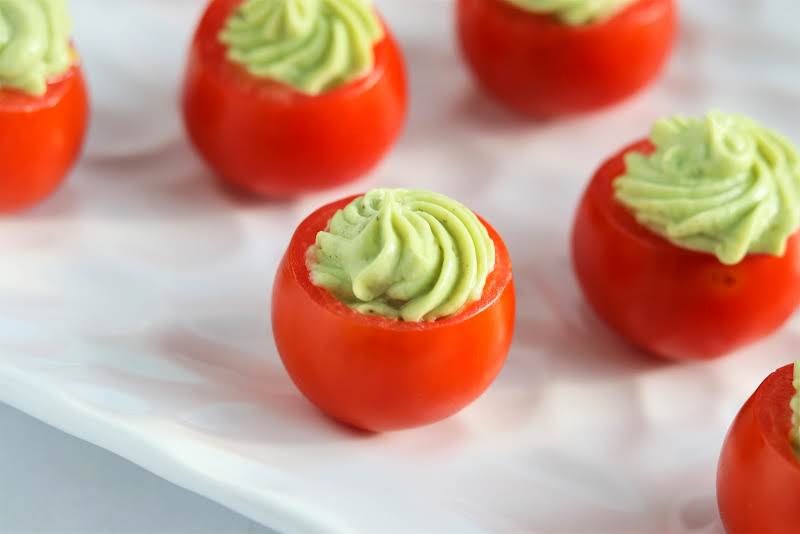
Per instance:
{"type": "Point", "coordinates": [540, 67]}
{"type": "Point", "coordinates": [381, 374]}
{"type": "Point", "coordinates": [668, 300]}
{"type": "Point", "coordinates": [758, 479]}
{"type": "Point", "coordinates": [267, 138]}
{"type": "Point", "coordinates": [40, 139]}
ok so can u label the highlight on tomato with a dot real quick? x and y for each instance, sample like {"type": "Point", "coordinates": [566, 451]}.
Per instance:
{"type": "Point", "coordinates": [686, 243]}
{"type": "Point", "coordinates": [286, 97]}
{"type": "Point", "coordinates": [393, 309]}
{"type": "Point", "coordinates": [43, 101]}
{"type": "Point", "coordinates": [758, 477]}
{"type": "Point", "coordinates": [546, 58]}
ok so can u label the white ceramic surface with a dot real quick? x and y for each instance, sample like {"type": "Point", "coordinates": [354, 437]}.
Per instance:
{"type": "Point", "coordinates": [134, 303]}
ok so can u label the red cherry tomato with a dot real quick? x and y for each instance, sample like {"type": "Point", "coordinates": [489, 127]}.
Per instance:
{"type": "Point", "coordinates": [40, 139]}
{"type": "Point", "coordinates": [758, 479]}
{"type": "Point", "coordinates": [380, 374]}
{"type": "Point", "coordinates": [267, 138]}
{"type": "Point", "coordinates": [540, 67]}
{"type": "Point", "coordinates": [667, 300]}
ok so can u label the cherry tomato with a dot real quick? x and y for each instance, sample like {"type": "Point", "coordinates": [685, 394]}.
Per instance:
{"type": "Point", "coordinates": [40, 139]}
{"type": "Point", "coordinates": [267, 138]}
{"type": "Point", "coordinates": [667, 300]}
{"type": "Point", "coordinates": [540, 67]}
{"type": "Point", "coordinates": [758, 479]}
{"type": "Point", "coordinates": [381, 374]}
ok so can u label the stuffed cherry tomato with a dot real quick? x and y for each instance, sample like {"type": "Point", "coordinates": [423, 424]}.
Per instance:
{"type": "Point", "coordinates": [394, 309]}
{"type": "Point", "coordinates": [758, 478]}
{"type": "Point", "coordinates": [686, 243]}
{"type": "Point", "coordinates": [43, 101]}
{"type": "Point", "coordinates": [545, 58]}
{"type": "Point", "coordinates": [287, 96]}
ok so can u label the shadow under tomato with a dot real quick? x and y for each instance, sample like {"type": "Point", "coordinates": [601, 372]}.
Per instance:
{"type": "Point", "coordinates": [478, 109]}
{"type": "Point", "coordinates": [281, 415]}
{"type": "Point", "coordinates": [171, 183]}
{"type": "Point", "coordinates": [163, 214]}
{"type": "Point", "coordinates": [246, 199]}
{"type": "Point", "coordinates": [225, 350]}
{"type": "Point", "coordinates": [166, 149]}
{"type": "Point", "coordinates": [441, 75]}
{"type": "Point", "coordinates": [555, 322]}
{"type": "Point", "coordinates": [61, 204]}
{"type": "Point", "coordinates": [698, 515]}
{"type": "Point", "coordinates": [595, 350]}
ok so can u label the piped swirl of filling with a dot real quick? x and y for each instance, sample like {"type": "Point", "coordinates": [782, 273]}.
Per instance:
{"type": "Point", "coordinates": [574, 12]}
{"type": "Point", "coordinates": [721, 184]}
{"type": "Point", "coordinates": [311, 45]}
{"type": "Point", "coordinates": [411, 255]}
{"type": "Point", "coordinates": [34, 44]}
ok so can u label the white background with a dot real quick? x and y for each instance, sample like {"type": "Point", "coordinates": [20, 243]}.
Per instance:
{"type": "Point", "coordinates": [134, 304]}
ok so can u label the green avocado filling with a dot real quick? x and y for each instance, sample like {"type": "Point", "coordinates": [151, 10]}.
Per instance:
{"type": "Point", "coordinates": [574, 12]}
{"type": "Point", "coordinates": [721, 184]}
{"type": "Point", "coordinates": [34, 44]}
{"type": "Point", "coordinates": [311, 45]}
{"type": "Point", "coordinates": [404, 254]}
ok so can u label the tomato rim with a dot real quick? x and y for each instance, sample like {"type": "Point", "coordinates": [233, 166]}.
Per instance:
{"type": "Point", "coordinates": [623, 220]}
{"type": "Point", "coordinates": [777, 391]}
{"type": "Point", "coordinates": [551, 21]}
{"type": "Point", "coordinates": [214, 54]}
{"type": "Point", "coordinates": [16, 100]}
{"type": "Point", "coordinates": [496, 282]}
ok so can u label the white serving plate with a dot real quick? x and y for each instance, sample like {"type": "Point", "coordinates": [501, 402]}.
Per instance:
{"type": "Point", "coordinates": [134, 303]}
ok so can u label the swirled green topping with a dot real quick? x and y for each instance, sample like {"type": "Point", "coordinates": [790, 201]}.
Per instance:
{"type": "Point", "coordinates": [34, 43]}
{"type": "Point", "coordinates": [412, 255]}
{"type": "Point", "coordinates": [311, 45]}
{"type": "Point", "coordinates": [795, 403]}
{"type": "Point", "coordinates": [721, 184]}
{"type": "Point", "coordinates": [574, 12]}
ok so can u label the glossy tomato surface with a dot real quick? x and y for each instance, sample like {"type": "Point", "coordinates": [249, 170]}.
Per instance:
{"type": "Point", "coordinates": [267, 138]}
{"type": "Point", "coordinates": [758, 479]}
{"type": "Point", "coordinates": [40, 139]}
{"type": "Point", "coordinates": [667, 300]}
{"type": "Point", "coordinates": [540, 67]}
{"type": "Point", "coordinates": [380, 374]}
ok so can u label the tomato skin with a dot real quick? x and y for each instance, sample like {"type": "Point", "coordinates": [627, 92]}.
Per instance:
{"type": "Point", "coordinates": [758, 477]}
{"type": "Point", "coordinates": [542, 68]}
{"type": "Point", "coordinates": [40, 139]}
{"type": "Point", "coordinates": [267, 138]}
{"type": "Point", "coordinates": [378, 374]}
{"type": "Point", "coordinates": [669, 301]}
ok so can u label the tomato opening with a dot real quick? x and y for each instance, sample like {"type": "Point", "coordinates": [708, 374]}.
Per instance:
{"type": "Point", "coordinates": [13, 100]}
{"type": "Point", "coordinates": [773, 406]}
{"type": "Point", "coordinates": [758, 478]}
{"type": "Point", "coordinates": [214, 54]}
{"type": "Point", "coordinates": [318, 221]}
